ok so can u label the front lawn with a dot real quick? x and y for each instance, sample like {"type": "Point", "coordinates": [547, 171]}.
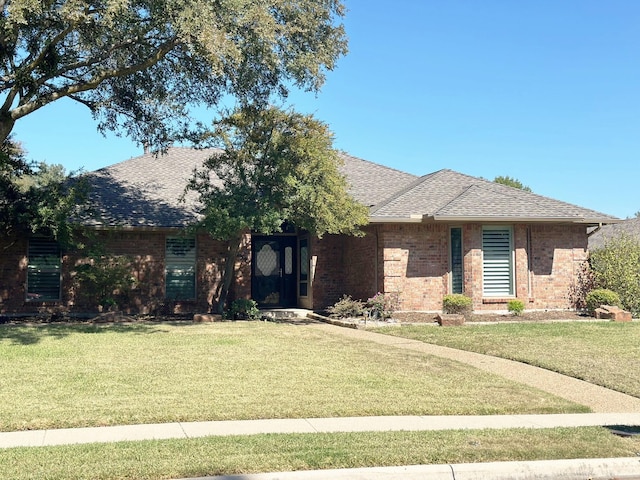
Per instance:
{"type": "Point", "coordinates": [167, 459]}
{"type": "Point", "coordinates": [73, 375]}
{"type": "Point", "coordinates": [603, 353]}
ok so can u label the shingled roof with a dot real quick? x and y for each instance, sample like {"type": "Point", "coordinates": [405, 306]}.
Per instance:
{"type": "Point", "coordinates": [446, 195]}
{"type": "Point", "coordinates": [630, 227]}
{"type": "Point", "coordinates": [145, 191]}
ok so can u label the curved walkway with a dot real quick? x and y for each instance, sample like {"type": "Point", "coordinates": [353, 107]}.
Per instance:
{"type": "Point", "coordinates": [599, 399]}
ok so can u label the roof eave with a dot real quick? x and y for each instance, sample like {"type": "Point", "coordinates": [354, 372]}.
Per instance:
{"type": "Point", "coordinates": [400, 219]}
{"type": "Point", "coordinates": [487, 218]}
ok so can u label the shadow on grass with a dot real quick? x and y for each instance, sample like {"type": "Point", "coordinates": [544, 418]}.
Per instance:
{"type": "Point", "coordinates": [624, 430]}
{"type": "Point", "coordinates": [32, 334]}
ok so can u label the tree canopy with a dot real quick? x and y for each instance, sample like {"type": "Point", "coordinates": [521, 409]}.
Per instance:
{"type": "Point", "coordinates": [511, 182]}
{"type": "Point", "coordinates": [274, 167]}
{"type": "Point", "coordinates": [141, 66]}
{"type": "Point", "coordinates": [38, 198]}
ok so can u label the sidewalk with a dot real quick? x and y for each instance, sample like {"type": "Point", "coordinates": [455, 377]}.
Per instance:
{"type": "Point", "coordinates": [122, 433]}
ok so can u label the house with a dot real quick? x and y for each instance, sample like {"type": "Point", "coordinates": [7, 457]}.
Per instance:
{"type": "Point", "coordinates": [428, 236]}
{"type": "Point", "coordinates": [601, 234]}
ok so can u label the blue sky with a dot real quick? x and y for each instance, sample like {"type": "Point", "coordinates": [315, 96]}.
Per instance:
{"type": "Point", "coordinates": [546, 91]}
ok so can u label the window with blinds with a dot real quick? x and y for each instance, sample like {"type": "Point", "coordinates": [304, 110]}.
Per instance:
{"type": "Point", "coordinates": [43, 270]}
{"type": "Point", "coordinates": [497, 261]}
{"type": "Point", "coordinates": [180, 268]}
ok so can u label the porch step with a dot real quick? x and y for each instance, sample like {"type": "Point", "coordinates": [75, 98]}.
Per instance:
{"type": "Point", "coordinates": [284, 313]}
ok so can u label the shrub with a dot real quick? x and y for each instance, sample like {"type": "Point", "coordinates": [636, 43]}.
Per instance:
{"type": "Point", "coordinates": [346, 307]}
{"type": "Point", "coordinates": [601, 296]}
{"type": "Point", "coordinates": [244, 309]}
{"type": "Point", "coordinates": [585, 282]}
{"type": "Point", "coordinates": [104, 279]}
{"type": "Point", "coordinates": [382, 305]}
{"type": "Point", "coordinates": [616, 267]}
{"type": "Point", "coordinates": [516, 307]}
{"type": "Point", "coordinates": [456, 303]}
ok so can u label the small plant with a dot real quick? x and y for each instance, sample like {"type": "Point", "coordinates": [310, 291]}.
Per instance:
{"type": "Point", "coordinates": [382, 305]}
{"type": "Point", "coordinates": [516, 307]}
{"type": "Point", "coordinates": [244, 309]}
{"type": "Point", "coordinates": [456, 303]}
{"type": "Point", "coordinates": [601, 296]}
{"type": "Point", "coordinates": [346, 307]}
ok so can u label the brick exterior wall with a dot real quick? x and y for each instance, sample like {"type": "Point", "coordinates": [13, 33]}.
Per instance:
{"type": "Point", "coordinates": [412, 260]}
{"type": "Point", "coordinates": [146, 251]}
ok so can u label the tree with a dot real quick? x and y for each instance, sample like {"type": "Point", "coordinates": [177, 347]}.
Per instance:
{"type": "Point", "coordinates": [39, 198]}
{"type": "Point", "coordinates": [511, 182]}
{"type": "Point", "coordinates": [139, 66]}
{"type": "Point", "coordinates": [275, 166]}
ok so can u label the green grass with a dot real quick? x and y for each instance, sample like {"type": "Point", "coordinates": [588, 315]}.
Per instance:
{"type": "Point", "coordinates": [263, 453]}
{"type": "Point", "coordinates": [54, 376]}
{"type": "Point", "coordinates": [606, 354]}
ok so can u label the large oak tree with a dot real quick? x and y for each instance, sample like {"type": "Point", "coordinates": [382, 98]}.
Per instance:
{"type": "Point", "coordinates": [141, 65]}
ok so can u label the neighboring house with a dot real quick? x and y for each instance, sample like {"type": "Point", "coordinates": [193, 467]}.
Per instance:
{"type": "Point", "coordinates": [428, 236]}
{"type": "Point", "coordinates": [600, 235]}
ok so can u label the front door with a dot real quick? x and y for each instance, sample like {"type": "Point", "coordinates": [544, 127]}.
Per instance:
{"type": "Point", "coordinates": [273, 271]}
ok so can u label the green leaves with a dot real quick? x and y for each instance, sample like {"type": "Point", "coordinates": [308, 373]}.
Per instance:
{"type": "Point", "coordinates": [275, 166]}
{"type": "Point", "coordinates": [142, 66]}
{"type": "Point", "coordinates": [616, 267]}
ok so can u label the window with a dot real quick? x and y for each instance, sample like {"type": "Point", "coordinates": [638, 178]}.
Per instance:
{"type": "Point", "coordinates": [497, 261]}
{"type": "Point", "coordinates": [304, 267]}
{"type": "Point", "coordinates": [43, 270]}
{"type": "Point", "coordinates": [456, 260]}
{"type": "Point", "coordinates": [180, 268]}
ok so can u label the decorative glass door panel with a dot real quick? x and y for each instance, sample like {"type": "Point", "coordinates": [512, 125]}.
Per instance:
{"type": "Point", "coordinates": [273, 273]}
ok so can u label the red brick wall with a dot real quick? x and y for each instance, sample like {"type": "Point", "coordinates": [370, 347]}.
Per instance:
{"type": "Point", "coordinates": [13, 273]}
{"type": "Point", "coordinates": [416, 264]}
{"type": "Point", "coordinates": [146, 251]}
{"type": "Point", "coordinates": [547, 258]}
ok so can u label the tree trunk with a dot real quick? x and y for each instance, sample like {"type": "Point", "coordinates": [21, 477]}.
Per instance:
{"type": "Point", "coordinates": [229, 271]}
{"type": "Point", "coordinates": [6, 127]}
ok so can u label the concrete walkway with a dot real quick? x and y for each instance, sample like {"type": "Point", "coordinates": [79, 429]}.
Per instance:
{"type": "Point", "coordinates": [599, 399]}
{"type": "Point", "coordinates": [610, 409]}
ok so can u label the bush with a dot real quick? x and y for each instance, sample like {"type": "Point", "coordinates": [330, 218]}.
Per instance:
{"type": "Point", "coordinates": [616, 267]}
{"type": "Point", "coordinates": [382, 305]}
{"type": "Point", "coordinates": [244, 309]}
{"type": "Point", "coordinates": [456, 303]}
{"type": "Point", "coordinates": [516, 307]}
{"type": "Point", "coordinates": [105, 280]}
{"type": "Point", "coordinates": [346, 307]}
{"type": "Point", "coordinates": [601, 296]}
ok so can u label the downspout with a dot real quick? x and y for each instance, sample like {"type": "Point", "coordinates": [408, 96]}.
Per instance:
{"type": "Point", "coordinates": [597, 229]}
{"type": "Point", "coordinates": [375, 259]}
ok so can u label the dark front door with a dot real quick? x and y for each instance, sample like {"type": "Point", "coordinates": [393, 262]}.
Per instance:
{"type": "Point", "coordinates": [273, 271]}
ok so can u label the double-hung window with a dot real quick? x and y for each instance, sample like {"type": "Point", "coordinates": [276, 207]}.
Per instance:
{"type": "Point", "coordinates": [180, 268]}
{"type": "Point", "coordinates": [497, 261]}
{"type": "Point", "coordinates": [43, 270]}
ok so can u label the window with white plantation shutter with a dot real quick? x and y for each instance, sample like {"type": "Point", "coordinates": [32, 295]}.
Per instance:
{"type": "Point", "coordinates": [180, 268]}
{"type": "Point", "coordinates": [43, 270]}
{"type": "Point", "coordinates": [497, 262]}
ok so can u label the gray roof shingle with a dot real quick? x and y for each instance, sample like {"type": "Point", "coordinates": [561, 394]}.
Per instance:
{"type": "Point", "coordinates": [449, 195]}
{"type": "Point", "coordinates": [629, 227]}
{"type": "Point", "coordinates": [145, 191]}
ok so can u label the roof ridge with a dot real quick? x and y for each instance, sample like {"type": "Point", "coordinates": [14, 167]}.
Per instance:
{"type": "Point", "coordinates": [407, 188]}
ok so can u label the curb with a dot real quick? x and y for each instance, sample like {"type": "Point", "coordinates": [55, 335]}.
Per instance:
{"type": "Point", "coordinates": [575, 469]}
